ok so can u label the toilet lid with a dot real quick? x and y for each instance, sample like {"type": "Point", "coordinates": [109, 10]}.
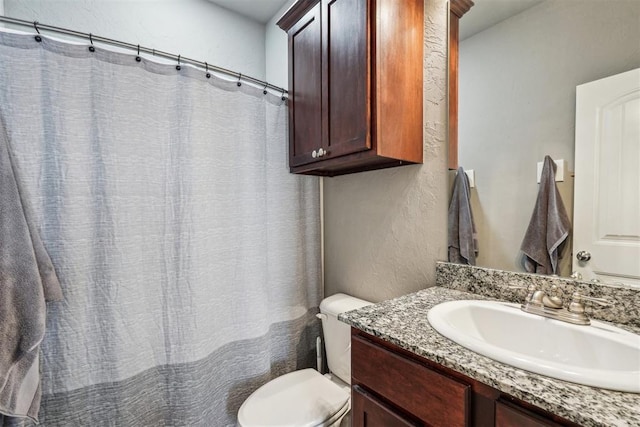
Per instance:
{"type": "Point", "coordinates": [302, 398]}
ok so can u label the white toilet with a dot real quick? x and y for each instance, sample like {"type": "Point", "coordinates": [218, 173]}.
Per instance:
{"type": "Point", "coordinates": [307, 398]}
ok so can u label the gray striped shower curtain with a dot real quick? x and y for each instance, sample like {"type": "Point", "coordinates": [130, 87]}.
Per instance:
{"type": "Point", "coordinates": [188, 256]}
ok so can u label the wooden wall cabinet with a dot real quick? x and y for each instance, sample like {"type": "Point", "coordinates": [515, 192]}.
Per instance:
{"type": "Point", "coordinates": [393, 387]}
{"type": "Point", "coordinates": [355, 84]}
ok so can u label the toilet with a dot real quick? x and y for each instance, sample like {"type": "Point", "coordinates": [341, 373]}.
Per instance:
{"type": "Point", "coordinates": [306, 398]}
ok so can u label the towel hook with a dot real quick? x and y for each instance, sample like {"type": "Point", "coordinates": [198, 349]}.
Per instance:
{"type": "Point", "coordinates": [178, 67]}
{"type": "Point", "coordinates": [91, 48]}
{"type": "Point", "coordinates": [239, 78]}
{"type": "Point", "coordinates": [38, 38]}
{"type": "Point", "coordinates": [206, 66]}
{"type": "Point", "coordinates": [138, 59]}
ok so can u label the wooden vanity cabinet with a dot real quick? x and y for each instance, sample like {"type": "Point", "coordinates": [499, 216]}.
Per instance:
{"type": "Point", "coordinates": [355, 84]}
{"type": "Point", "coordinates": [393, 387]}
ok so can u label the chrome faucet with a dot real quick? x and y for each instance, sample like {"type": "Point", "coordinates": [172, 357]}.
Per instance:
{"type": "Point", "coordinates": [550, 305]}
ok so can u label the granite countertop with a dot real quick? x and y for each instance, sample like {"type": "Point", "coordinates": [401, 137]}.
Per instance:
{"type": "Point", "coordinates": [403, 322]}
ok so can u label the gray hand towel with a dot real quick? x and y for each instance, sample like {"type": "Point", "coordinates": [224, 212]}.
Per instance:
{"type": "Point", "coordinates": [27, 280]}
{"type": "Point", "coordinates": [549, 226]}
{"type": "Point", "coordinates": [463, 244]}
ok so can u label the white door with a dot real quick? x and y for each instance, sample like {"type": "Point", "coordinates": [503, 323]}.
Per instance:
{"type": "Point", "coordinates": [606, 233]}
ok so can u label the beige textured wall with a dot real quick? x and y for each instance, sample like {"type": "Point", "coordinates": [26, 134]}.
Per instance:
{"type": "Point", "coordinates": [385, 230]}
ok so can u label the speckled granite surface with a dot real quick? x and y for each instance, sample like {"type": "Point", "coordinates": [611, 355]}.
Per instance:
{"type": "Point", "coordinates": [403, 322]}
{"type": "Point", "coordinates": [493, 283]}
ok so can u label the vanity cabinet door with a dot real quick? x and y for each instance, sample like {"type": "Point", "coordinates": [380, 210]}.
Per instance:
{"type": "Point", "coordinates": [367, 411]}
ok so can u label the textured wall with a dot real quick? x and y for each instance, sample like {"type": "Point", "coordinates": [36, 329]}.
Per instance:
{"type": "Point", "coordinates": [276, 50]}
{"type": "Point", "coordinates": [517, 103]}
{"type": "Point", "coordinates": [385, 230]}
{"type": "Point", "coordinates": [195, 29]}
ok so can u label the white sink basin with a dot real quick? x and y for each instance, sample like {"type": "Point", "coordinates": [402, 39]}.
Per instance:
{"type": "Point", "coordinates": [599, 355]}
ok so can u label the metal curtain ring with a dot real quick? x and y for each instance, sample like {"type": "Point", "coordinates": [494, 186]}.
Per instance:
{"type": "Point", "coordinates": [38, 38]}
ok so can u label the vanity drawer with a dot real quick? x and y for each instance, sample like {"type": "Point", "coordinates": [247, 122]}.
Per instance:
{"type": "Point", "coordinates": [432, 397]}
{"type": "Point", "coordinates": [508, 415]}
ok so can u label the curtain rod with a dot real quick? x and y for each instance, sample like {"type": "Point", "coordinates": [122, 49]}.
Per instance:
{"type": "Point", "coordinates": [178, 58]}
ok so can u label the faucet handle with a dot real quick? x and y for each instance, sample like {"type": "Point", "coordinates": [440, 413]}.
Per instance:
{"type": "Point", "coordinates": [578, 300]}
{"type": "Point", "coordinates": [577, 295]}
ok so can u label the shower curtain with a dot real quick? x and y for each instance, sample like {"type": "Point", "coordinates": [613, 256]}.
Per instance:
{"type": "Point", "coordinates": [188, 255]}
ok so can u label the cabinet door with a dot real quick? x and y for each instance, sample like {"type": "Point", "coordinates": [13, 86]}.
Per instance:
{"type": "Point", "coordinates": [366, 411]}
{"type": "Point", "coordinates": [346, 81]}
{"type": "Point", "coordinates": [305, 85]}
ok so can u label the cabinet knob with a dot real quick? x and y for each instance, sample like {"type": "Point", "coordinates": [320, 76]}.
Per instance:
{"type": "Point", "coordinates": [321, 152]}
{"type": "Point", "coordinates": [314, 154]}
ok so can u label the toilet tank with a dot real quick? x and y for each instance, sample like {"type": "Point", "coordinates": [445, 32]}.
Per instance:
{"type": "Point", "coordinates": [337, 335]}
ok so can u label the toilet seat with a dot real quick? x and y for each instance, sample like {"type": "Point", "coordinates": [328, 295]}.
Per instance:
{"type": "Point", "coordinates": [302, 398]}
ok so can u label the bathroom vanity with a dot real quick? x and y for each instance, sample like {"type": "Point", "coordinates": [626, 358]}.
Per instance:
{"type": "Point", "coordinates": [428, 393]}
{"type": "Point", "coordinates": [404, 373]}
